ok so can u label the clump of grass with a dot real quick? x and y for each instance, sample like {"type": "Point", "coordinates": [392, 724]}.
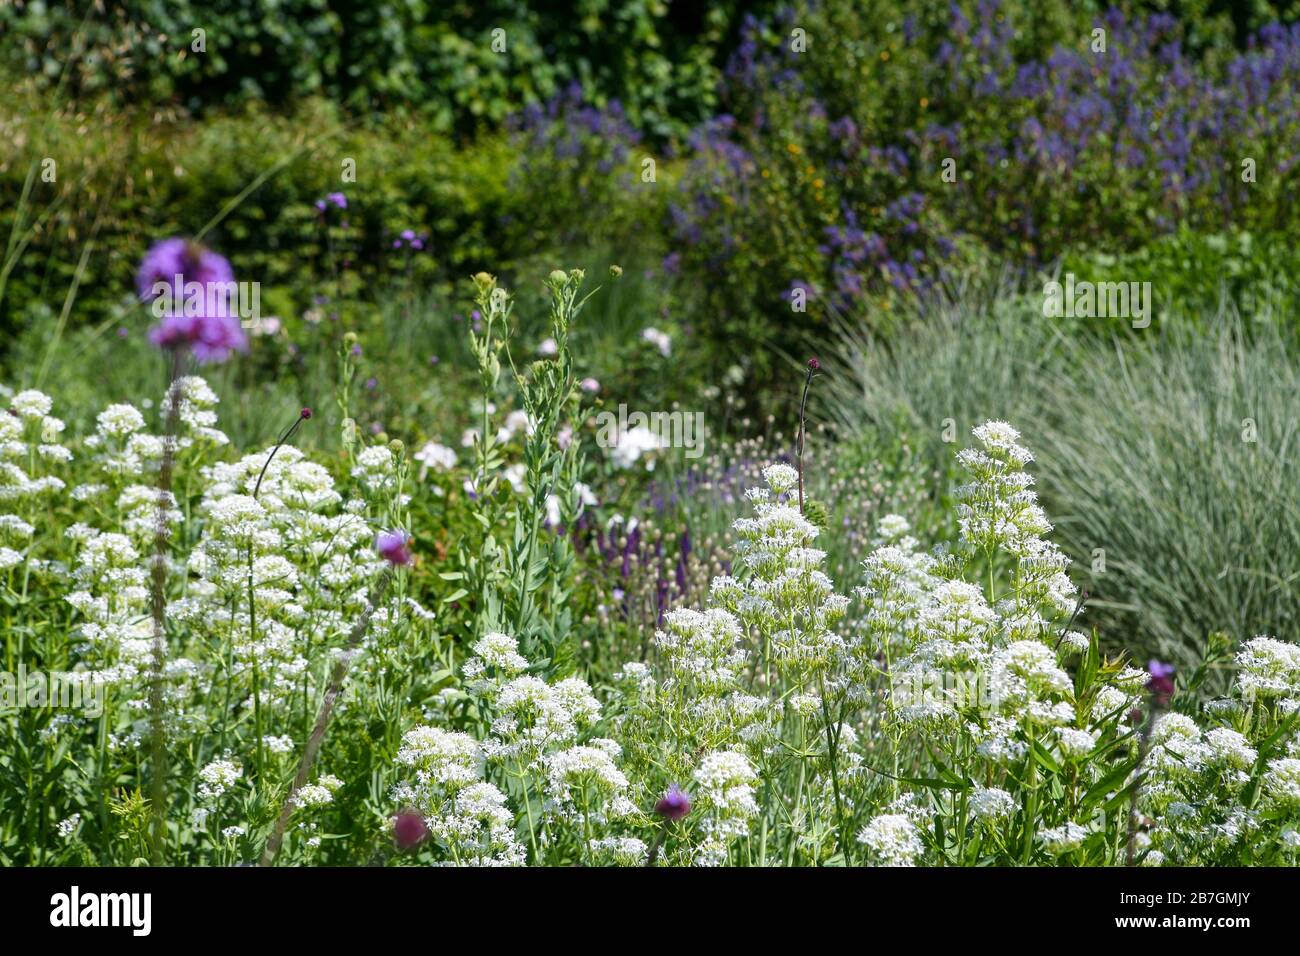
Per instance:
{"type": "Point", "coordinates": [1165, 455]}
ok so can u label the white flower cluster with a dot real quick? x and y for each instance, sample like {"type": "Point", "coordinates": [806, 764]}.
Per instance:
{"type": "Point", "coordinates": [1212, 792]}
{"type": "Point", "coordinates": [782, 591]}
{"type": "Point", "coordinates": [291, 543]}
{"type": "Point", "coordinates": [539, 734]}
{"type": "Point", "coordinates": [725, 781]}
{"type": "Point", "coordinates": [30, 450]}
{"type": "Point", "coordinates": [892, 839]}
{"type": "Point", "coordinates": [464, 813]}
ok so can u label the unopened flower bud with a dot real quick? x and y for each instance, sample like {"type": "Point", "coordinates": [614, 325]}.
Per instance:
{"type": "Point", "coordinates": [409, 829]}
{"type": "Point", "coordinates": [674, 804]}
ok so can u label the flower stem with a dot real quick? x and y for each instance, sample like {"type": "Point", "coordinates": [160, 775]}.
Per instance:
{"type": "Point", "coordinates": [158, 607]}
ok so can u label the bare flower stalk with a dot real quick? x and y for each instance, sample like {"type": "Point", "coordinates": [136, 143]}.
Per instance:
{"type": "Point", "coordinates": [158, 607]}
{"type": "Point", "coordinates": [813, 366]}
{"type": "Point", "coordinates": [322, 720]}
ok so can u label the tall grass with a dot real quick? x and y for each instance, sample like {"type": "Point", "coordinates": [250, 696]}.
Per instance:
{"type": "Point", "coordinates": [1167, 456]}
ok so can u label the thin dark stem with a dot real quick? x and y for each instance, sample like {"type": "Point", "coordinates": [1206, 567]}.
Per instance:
{"type": "Point", "coordinates": [322, 721]}
{"type": "Point", "coordinates": [284, 437]}
{"type": "Point", "coordinates": [1078, 609]}
{"type": "Point", "coordinates": [158, 607]}
{"type": "Point", "coordinates": [803, 428]}
{"type": "Point", "coordinates": [252, 602]}
{"type": "Point", "coordinates": [832, 749]}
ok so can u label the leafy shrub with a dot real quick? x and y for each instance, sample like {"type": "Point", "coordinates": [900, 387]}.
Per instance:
{"type": "Point", "coordinates": [825, 177]}
{"type": "Point", "coordinates": [1193, 274]}
{"type": "Point", "coordinates": [436, 59]}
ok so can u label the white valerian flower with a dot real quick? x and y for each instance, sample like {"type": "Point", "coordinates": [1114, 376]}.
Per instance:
{"type": "Point", "coordinates": [659, 340]}
{"type": "Point", "coordinates": [313, 795]}
{"type": "Point", "coordinates": [1282, 781]}
{"type": "Point", "coordinates": [1269, 668]}
{"type": "Point", "coordinates": [590, 771]}
{"type": "Point", "coordinates": [216, 778]}
{"type": "Point", "coordinates": [376, 469]}
{"type": "Point", "coordinates": [892, 839]}
{"type": "Point", "coordinates": [498, 650]}
{"type": "Point", "coordinates": [632, 444]}
{"type": "Point", "coordinates": [725, 781]}
{"type": "Point", "coordinates": [1069, 836]}
{"type": "Point", "coordinates": [780, 478]}
{"type": "Point", "coordinates": [436, 457]}
{"type": "Point", "coordinates": [1231, 748]}
{"type": "Point", "coordinates": [443, 757]}
{"type": "Point", "coordinates": [702, 648]}
{"type": "Point", "coordinates": [31, 404]}
{"type": "Point", "coordinates": [620, 851]}
{"type": "Point", "coordinates": [991, 803]}
{"type": "Point", "coordinates": [1075, 742]}
{"type": "Point", "coordinates": [119, 421]}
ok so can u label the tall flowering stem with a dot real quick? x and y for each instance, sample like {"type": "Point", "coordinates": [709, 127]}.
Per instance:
{"type": "Point", "coordinates": [158, 607]}
{"type": "Point", "coordinates": [309, 753]}
{"type": "Point", "coordinates": [252, 598]}
{"type": "Point", "coordinates": [813, 367]}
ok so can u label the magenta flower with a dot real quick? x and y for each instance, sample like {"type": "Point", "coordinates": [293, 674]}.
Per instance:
{"type": "Point", "coordinates": [200, 314]}
{"type": "Point", "coordinates": [174, 257]}
{"type": "Point", "coordinates": [409, 829]}
{"type": "Point", "coordinates": [674, 804]}
{"type": "Point", "coordinates": [210, 338]}
{"type": "Point", "coordinates": [394, 547]}
{"type": "Point", "coordinates": [410, 239]}
{"type": "Point", "coordinates": [1161, 681]}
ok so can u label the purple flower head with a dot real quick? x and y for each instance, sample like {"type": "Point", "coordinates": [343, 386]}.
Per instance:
{"type": "Point", "coordinates": [174, 257]}
{"type": "Point", "coordinates": [197, 282]}
{"type": "Point", "coordinates": [1161, 681]}
{"type": "Point", "coordinates": [674, 804]}
{"type": "Point", "coordinates": [394, 547]}
{"type": "Point", "coordinates": [210, 338]}
{"type": "Point", "coordinates": [338, 199]}
{"type": "Point", "coordinates": [409, 829]}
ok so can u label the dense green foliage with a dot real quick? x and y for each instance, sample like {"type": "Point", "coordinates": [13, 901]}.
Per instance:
{"type": "Point", "coordinates": [438, 59]}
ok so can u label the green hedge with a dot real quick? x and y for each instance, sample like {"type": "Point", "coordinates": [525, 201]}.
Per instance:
{"type": "Point", "coordinates": [660, 59]}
